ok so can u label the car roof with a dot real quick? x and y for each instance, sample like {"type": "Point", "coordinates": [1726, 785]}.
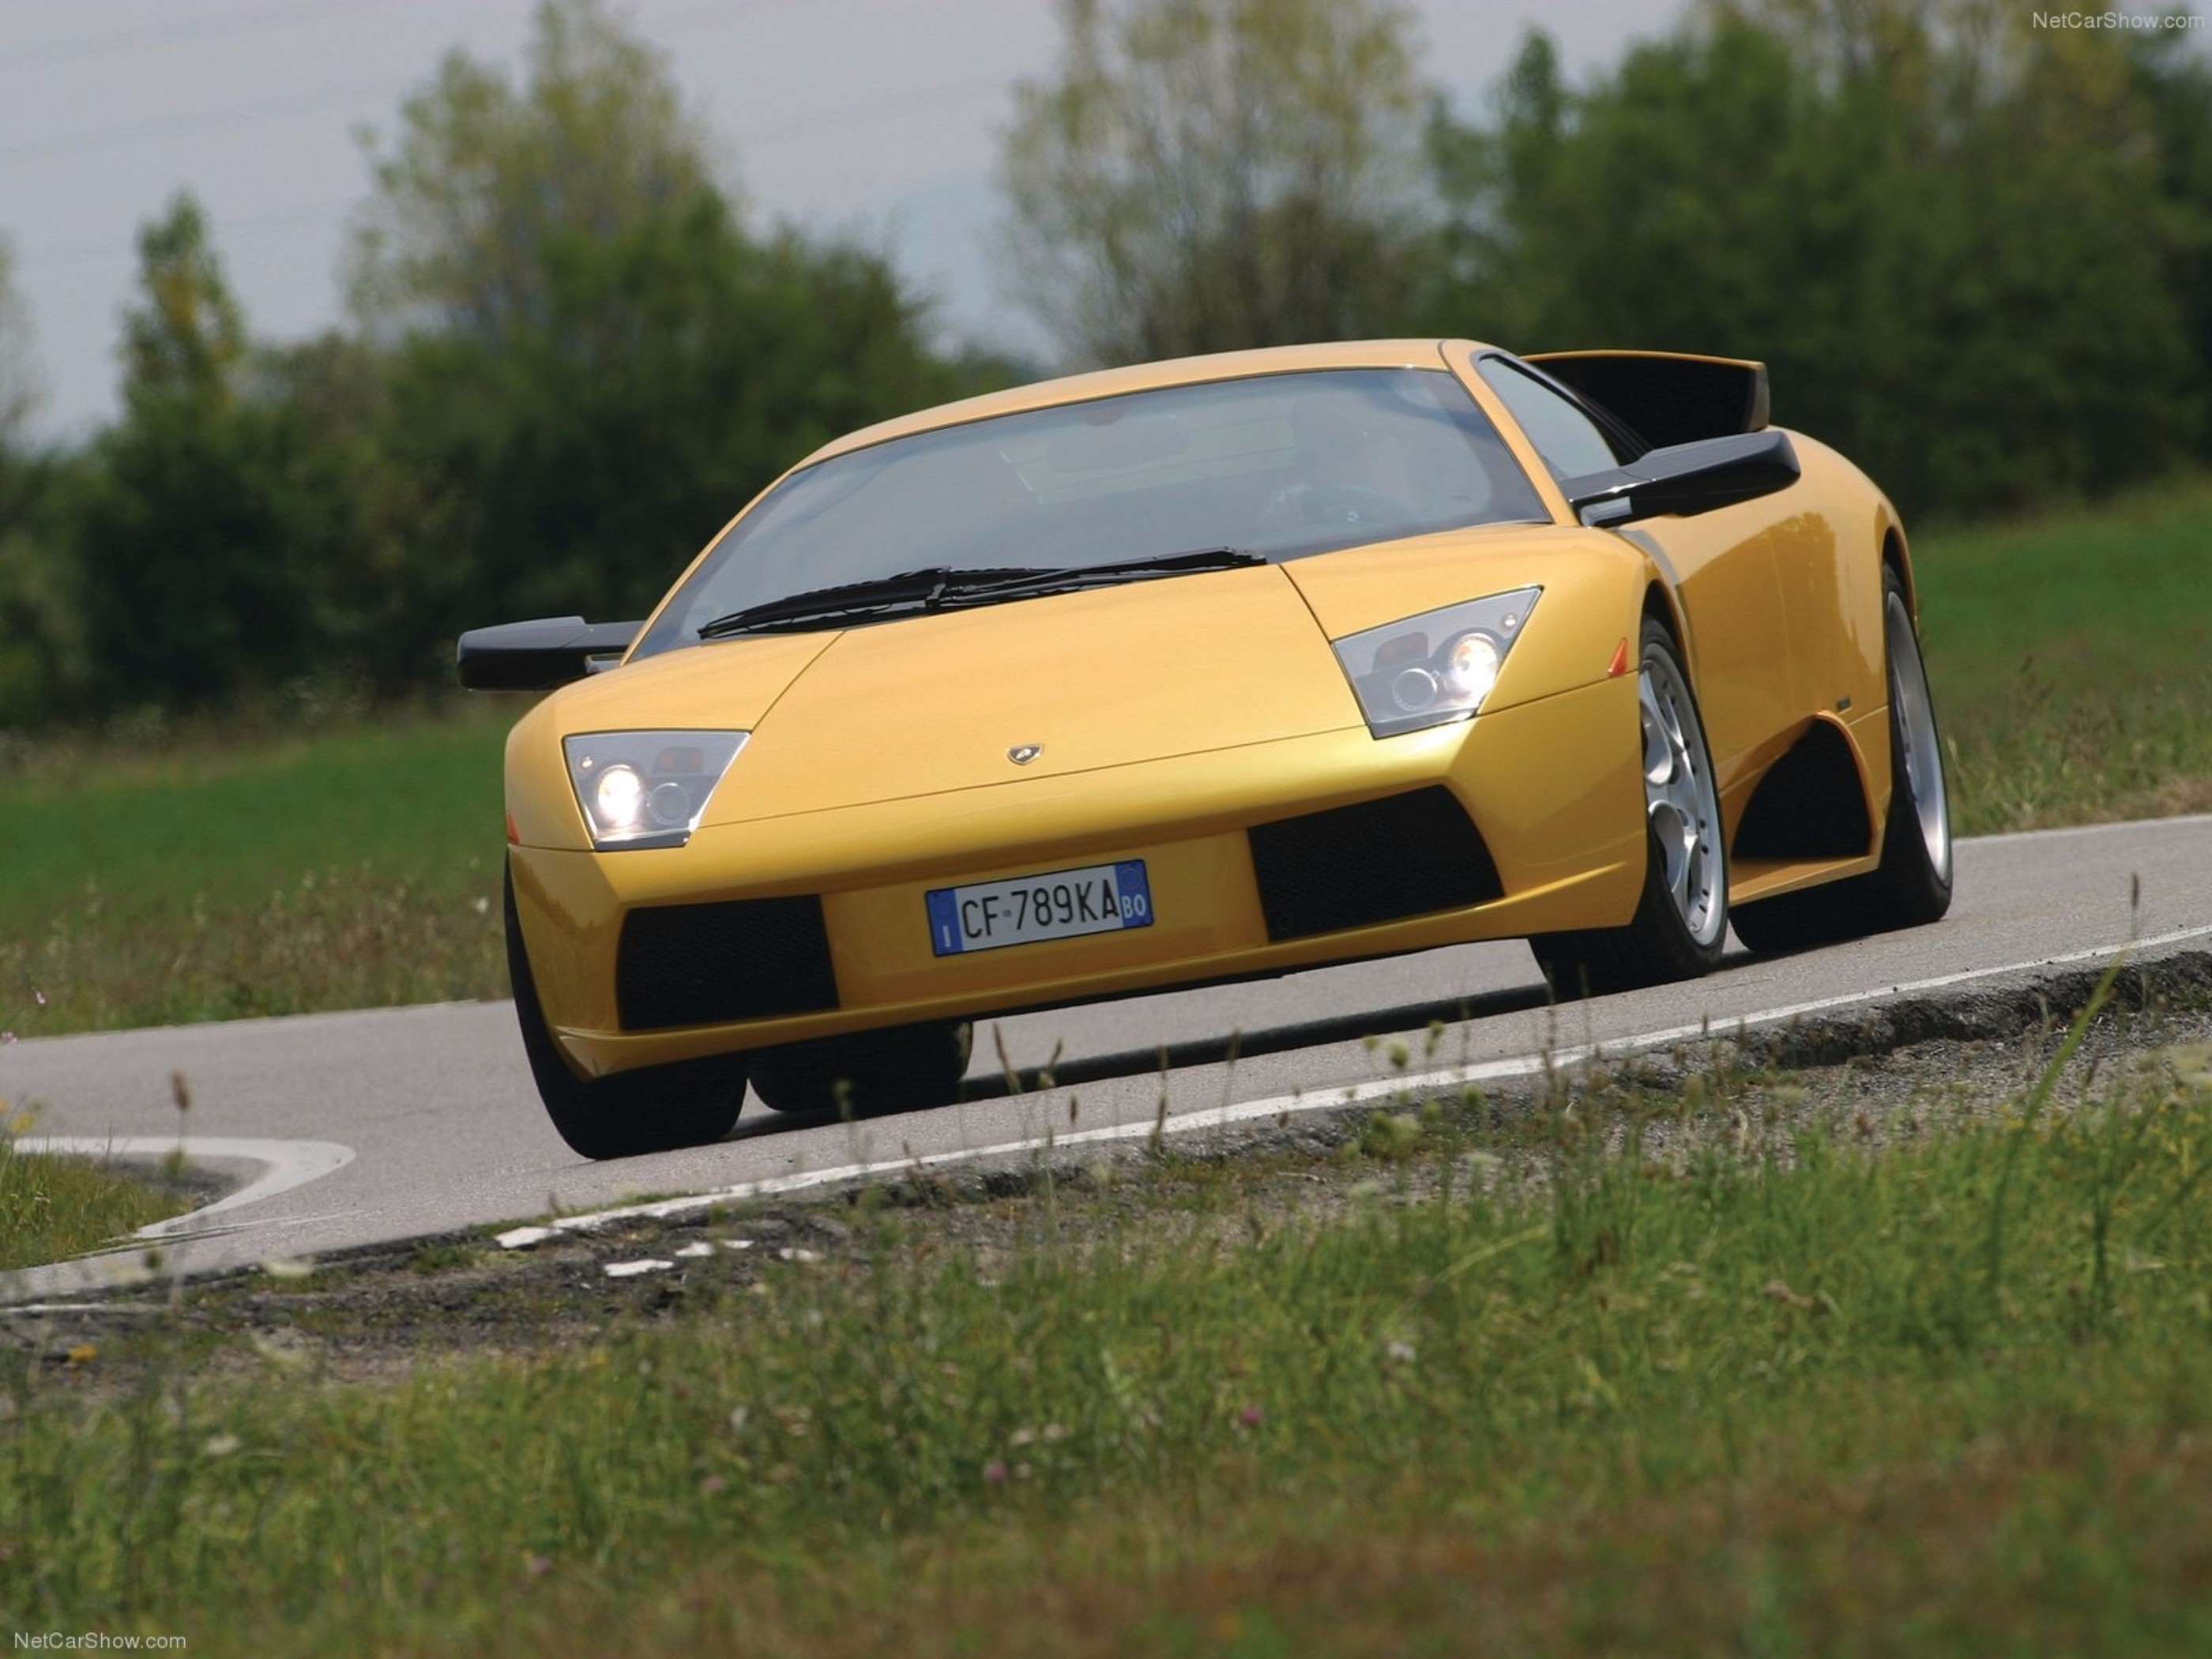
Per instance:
{"type": "Point", "coordinates": [1146, 377]}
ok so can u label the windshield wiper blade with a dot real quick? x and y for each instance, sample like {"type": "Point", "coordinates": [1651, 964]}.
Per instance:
{"type": "Point", "coordinates": [1100, 575]}
{"type": "Point", "coordinates": [938, 587]}
{"type": "Point", "coordinates": [909, 590]}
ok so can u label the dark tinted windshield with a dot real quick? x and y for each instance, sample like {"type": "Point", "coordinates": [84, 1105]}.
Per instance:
{"type": "Point", "coordinates": [1283, 465]}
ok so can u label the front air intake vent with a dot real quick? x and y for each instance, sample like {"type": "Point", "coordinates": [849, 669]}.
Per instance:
{"type": "Point", "coordinates": [1382, 860]}
{"type": "Point", "coordinates": [706, 964]}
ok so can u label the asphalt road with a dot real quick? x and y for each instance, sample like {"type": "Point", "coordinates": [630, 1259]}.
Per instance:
{"type": "Point", "coordinates": [354, 1128]}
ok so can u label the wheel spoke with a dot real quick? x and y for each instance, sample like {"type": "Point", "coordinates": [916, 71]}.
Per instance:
{"type": "Point", "coordinates": [1680, 884]}
{"type": "Point", "coordinates": [1678, 797]}
{"type": "Point", "coordinates": [1658, 748]}
{"type": "Point", "coordinates": [1921, 759]}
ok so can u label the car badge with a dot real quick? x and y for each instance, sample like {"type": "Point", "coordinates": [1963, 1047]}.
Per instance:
{"type": "Point", "coordinates": [1022, 753]}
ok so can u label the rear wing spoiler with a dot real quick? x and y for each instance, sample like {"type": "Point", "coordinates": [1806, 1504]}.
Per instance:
{"type": "Point", "coordinates": [1667, 397]}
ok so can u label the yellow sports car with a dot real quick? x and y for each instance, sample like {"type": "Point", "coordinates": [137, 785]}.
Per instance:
{"type": "Point", "coordinates": [1205, 670]}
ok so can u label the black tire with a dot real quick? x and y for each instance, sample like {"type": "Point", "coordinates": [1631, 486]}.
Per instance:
{"type": "Point", "coordinates": [1909, 888]}
{"type": "Point", "coordinates": [1658, 946]}
{"type": "Point", "coordinates": [901, 1068]}
{"type": "Point", "coordinates": [656, 1109]}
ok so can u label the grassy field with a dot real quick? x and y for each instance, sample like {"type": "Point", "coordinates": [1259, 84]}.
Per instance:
{"type": "Point", "coordinates": [161, 875]}
{"type": "Point", "coordinates": [2071, 658]}
{"type": "Point", "coordinates": [209, 879]}
{"type": "Point", "coordinates": [52, 1206]}
{"type": "Point", "coordinates": [1698, 1384]}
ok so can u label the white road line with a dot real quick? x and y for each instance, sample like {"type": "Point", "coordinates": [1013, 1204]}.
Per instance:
{"type": "Point", "coordinates": [1279, 1106]}
{"type": "Point", "coordinates": [285, 1164]}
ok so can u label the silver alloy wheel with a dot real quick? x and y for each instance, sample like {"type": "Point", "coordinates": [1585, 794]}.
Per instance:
{"type": "Point", "coordinates": [1915, 726]}
{"type": "Point", "coordinates": [1679, 797]}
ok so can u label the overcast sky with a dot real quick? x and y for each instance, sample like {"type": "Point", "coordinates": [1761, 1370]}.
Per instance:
{"type": "Point", "coordinates": [878, 117]}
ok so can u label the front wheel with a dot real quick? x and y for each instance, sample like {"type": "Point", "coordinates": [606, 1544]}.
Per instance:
{"type": "Point", "coordinates": [657, 1108]}
{"type": "Point", "coordinates": [1682, 921]}
{"type": "Point", "coordinates": [1911, 885]}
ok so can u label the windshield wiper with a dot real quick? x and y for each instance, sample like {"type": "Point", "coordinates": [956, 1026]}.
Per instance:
{"type": "Point", "coordinates": [909, 590]}
{"type": "Point", "coordinates": [1075, 576]}
{"type": "Point", "coordinates": [945, 587]}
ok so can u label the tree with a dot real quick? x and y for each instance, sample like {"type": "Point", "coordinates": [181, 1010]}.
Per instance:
{"type": "Point", "coordinates": [490, 189]}
{"type": "Point", "coordinates": [207, 527]}
{"type": "Point", "coordinates": [1206, 175]}
{"type": "Point", "coordinates": [592, 362]}
{"type": "Point", "coordinates": [2173, 86]}
{"type": "Point", "coordinates": [1940, 226]}
{"type": "Point", "coordinates": [36, 614]}
{"type": "Point", "coordinates": [19, 374]}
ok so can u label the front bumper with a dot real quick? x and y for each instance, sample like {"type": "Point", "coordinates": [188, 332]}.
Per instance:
{"type": "Point", "coordinates": [1552, 785]}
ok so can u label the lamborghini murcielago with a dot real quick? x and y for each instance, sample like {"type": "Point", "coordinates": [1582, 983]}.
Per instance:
{"type": "Point", "coordinates": [1203, 670]}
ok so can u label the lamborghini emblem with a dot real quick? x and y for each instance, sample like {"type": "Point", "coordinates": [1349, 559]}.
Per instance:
{"type": "Point", "coordinates": [1022, 753]}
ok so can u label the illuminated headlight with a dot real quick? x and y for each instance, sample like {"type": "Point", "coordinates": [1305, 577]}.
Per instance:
{"type": "Point", "coordinates": [1435, 667]}
{"type": "Point", "coordinates": [647, 788]}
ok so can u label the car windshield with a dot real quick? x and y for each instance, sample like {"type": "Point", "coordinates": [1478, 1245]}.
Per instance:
{"type": "Point", "coordinates": [1282, 465]}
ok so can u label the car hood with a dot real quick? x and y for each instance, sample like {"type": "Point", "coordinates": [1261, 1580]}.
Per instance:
{"type": "Point", "coordinates": [1144, 671]}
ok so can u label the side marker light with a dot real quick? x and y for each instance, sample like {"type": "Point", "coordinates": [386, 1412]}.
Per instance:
{"type": "Point", "coordinates": [1619, 665]}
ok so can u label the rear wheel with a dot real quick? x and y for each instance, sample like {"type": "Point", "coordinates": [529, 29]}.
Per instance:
{"type": "Point", "coordinates": [657, 1108]}
{"type": "Point", "coordinates": [1683, 919]}
{"type": "Point", "coordinates": [904, 1068]}
{"type": "Point", "coordinates": [1912, 883]}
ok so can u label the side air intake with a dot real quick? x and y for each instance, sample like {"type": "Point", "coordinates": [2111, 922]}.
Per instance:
{"type": "Point", "coordinates": [1381, 860]}
{"type": "Point", "coordinates": [706, 964]}
{"type": "Point", "coordinates": [1809, 805]}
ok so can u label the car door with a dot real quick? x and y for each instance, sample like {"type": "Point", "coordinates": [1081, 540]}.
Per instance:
{"type": "Point", "coordinates": [1723, 563]}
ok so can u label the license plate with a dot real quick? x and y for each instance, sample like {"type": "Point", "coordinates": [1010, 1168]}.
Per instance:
{"type": "Point", "coordinates": [986, 916]}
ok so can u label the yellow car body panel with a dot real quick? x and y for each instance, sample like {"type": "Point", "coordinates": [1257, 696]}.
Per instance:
{"type": "Point", "coordinates": [1569, 857]}
{"type": "Point", "coordinates": [1172, 717]}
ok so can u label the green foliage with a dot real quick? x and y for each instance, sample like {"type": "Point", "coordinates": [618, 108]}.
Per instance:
{"type": "Point", "coordinates": [1202, 175]}
{"type": "Point", "coordinates": [37, 611]}
{"type": "Point", "coordinates": [19, 380]}
{"type": "Point", "coordinates": [209, 527]}
{"type": "Point", "coordinates": [1970, 250]}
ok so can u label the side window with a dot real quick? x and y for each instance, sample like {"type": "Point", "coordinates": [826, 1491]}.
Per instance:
{"type": "Point", "coordinates": [1568, 440]}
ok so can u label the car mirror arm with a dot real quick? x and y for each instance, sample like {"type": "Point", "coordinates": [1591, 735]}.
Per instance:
{"type": "Point", "coordinates": [1691, 478]}
{"type": "Point", "coordinates": [539, 654]}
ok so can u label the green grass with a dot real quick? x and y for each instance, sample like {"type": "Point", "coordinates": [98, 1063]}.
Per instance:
{"type": "Point", "coordinates": [2071, 658]}
{"type": "Point", "coordinates": [161, 875]}
{"type": "Point", "coordinates": [53, 1207]}
{"type": "Point", "coordinates": [190, 878]}
{"type": "Point", "coordinates": [1774, 1393]}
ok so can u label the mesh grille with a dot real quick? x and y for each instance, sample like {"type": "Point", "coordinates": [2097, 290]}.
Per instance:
{"type": "Point", "coordinates": [701, 965]}
{"type": "Point", "coordinates": [1354, 866]}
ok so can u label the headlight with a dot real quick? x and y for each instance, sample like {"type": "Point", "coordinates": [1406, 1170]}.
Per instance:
{"type": "Point", "coordinates": [647, 788]}
{"type": "Point", "coordinates": [1435, 667]}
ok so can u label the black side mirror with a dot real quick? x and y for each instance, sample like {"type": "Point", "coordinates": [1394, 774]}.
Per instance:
{"type": "Point", "coordinates": [1691, 478]}
{"type": "Point", "coordinates": [536, 656]}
